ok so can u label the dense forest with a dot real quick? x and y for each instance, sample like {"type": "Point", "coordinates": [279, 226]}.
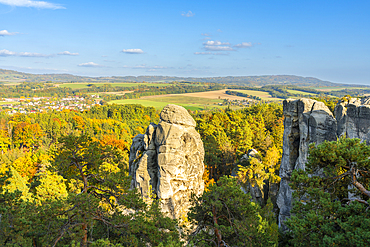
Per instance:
{"type": "Point", "coordinates": [64, 176]}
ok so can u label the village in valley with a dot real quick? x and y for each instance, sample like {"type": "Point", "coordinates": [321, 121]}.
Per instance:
{"type": "Point", "coordinates": [43, 104]}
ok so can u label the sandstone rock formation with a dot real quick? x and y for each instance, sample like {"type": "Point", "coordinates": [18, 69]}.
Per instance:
{"type": "Point", "coordinates": [167, 161]}
{"type": "Point", "coordinates": [308, 121]}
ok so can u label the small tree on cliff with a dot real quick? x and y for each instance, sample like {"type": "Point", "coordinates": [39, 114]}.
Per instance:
{"type": "Point", "coordinates": [225, 216]}
{"type": "Point", "coordinates": [331, 207]}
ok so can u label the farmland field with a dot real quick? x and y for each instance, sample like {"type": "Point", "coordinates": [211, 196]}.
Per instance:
{"type": "Point", "coordinates": [261, 94]}
{"type": "Point", "coordinates": [218, 94]}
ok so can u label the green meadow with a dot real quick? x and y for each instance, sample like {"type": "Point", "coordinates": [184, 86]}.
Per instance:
{"type": "Point", "coordinates": [261, 94]}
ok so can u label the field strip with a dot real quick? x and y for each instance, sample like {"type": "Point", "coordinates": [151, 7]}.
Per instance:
{"type": "Point", "coordinates": [263, 95]}
{"type": "Point", "coordinates": [218, 94]}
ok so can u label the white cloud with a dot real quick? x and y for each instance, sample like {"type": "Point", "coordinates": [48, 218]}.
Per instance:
{"type": "Point", "coordinates": [212, 53]}
{"type": "Point", "coordinates": [218, 48]}
{"type": "Point", "coordinates": [189, 14]}
{"type": "Point", "coordinates": [243, 45]}
{"type": "Point", "coordinates": [6, 53]}
{"type": "Point", "coordinates": [132, 51]}
{"type": "Point", "coordinates": [221, 53]}
{"type": "Point", "coordinates": [30, 3]}
{"type": "Point", "coordinates": [219, 30]}
{"type": "Point", "coordinates": [68, 53]}
{"type": "Point", "coordinates": [30, 54]}
{"type": "Point", "coordinates": [203, 53]}
{"type": "Point", "coordinates": [6, 33]}
{"type": "Point", "coordinates": [210, 42]}
{"type": "Point", "coordinates": [206, 34]}
{"type": "Point", "coordinates": [90, 64]}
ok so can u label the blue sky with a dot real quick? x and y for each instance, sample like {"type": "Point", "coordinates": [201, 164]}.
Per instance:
{"type": "Point", "coordinates": [326, 39]}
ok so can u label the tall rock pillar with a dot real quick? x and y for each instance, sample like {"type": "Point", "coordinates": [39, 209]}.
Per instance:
{"type": "Point", "coordinates": [306, 121]}
{"type": "Point", "coordinates": [167, 161]}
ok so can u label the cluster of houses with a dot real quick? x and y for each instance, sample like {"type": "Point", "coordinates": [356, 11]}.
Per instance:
{"type": "Point", "coordinates": [41, 104]}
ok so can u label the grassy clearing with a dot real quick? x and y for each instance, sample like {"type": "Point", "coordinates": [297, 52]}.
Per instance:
{"type": "Point", "coordinates": [261, 94]}
{"type": "Point", "coordinates": [84, 85]}
{"type": "Point", "coordinates": [300, 92]}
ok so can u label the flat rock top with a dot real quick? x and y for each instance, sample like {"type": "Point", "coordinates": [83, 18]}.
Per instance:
{"type": "Point", "coordinates": [177, 115]}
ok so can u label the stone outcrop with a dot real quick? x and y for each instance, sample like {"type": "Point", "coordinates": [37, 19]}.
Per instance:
{"type": "Point", "coordinates": [308, 121]}
{"type": "Point", "coordinates": [166, 162]}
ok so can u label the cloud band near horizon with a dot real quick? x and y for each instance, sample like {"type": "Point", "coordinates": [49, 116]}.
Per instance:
{"type": "Point", "coordinates": [33, 4]}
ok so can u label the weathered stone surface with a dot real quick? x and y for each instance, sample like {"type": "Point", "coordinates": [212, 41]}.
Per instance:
{"type": "Point", "coordinates": [306, 121]}
{"type": "Point", "coordinates": [175, 114]}
{"type": "Point", "coordinates": [354, 119]}
{"type": "Point", "coordinates": [167, 161]}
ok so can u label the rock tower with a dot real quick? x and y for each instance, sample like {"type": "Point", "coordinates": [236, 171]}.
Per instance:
{"type": "Point", "coordinates": [308, 121]}
{"type": "Point", "coordinates": [166, 162]}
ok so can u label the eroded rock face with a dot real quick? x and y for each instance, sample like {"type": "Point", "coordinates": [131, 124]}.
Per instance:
{"type": "Point", "coordinates": [167, 161]}
{"type": "Point", "coordinates": [354, 118]}
{"type": "Point", "coordinates": [308, 121]}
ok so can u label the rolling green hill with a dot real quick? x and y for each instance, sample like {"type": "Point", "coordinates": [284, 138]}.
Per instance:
{"type": "Point", "coordinates": [15, 76]}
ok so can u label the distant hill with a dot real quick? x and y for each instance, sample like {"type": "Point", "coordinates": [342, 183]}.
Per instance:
{"type": "Point", "coordinates": [15, 76]}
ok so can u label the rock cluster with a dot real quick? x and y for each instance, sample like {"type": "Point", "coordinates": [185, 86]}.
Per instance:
{"type": "Point", "coordinates": [166, 162]}
{"type": "Point", "coordinates": [308, 121]}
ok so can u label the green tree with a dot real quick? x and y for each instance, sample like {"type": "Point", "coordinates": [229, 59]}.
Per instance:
{"type": "Point", "coordinates": [95, 207]}
{"type": "Point", "coordinates": [100, 199]}
{"type": "Point", "coordinates": [330, 207]}
{"type": "Point", "coordinates": [225, 216]}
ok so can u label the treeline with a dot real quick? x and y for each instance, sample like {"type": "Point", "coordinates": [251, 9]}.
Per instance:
{"type": "Point", "coordinates": [49, 90]}
{"type": "Point", "coordinates": [116, 123]}
{"type": "Point", "coordinates": [236, 93]}
{"type": "Point", "coordinates": [285, 91]}
{"type": "Point", "coordinates": [174, 89]}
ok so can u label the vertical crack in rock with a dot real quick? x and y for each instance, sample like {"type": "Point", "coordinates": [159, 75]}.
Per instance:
{"type": "Point", "coordinates": [167, 161]}
{"type": "Point", "coordinates": [308, 121]}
